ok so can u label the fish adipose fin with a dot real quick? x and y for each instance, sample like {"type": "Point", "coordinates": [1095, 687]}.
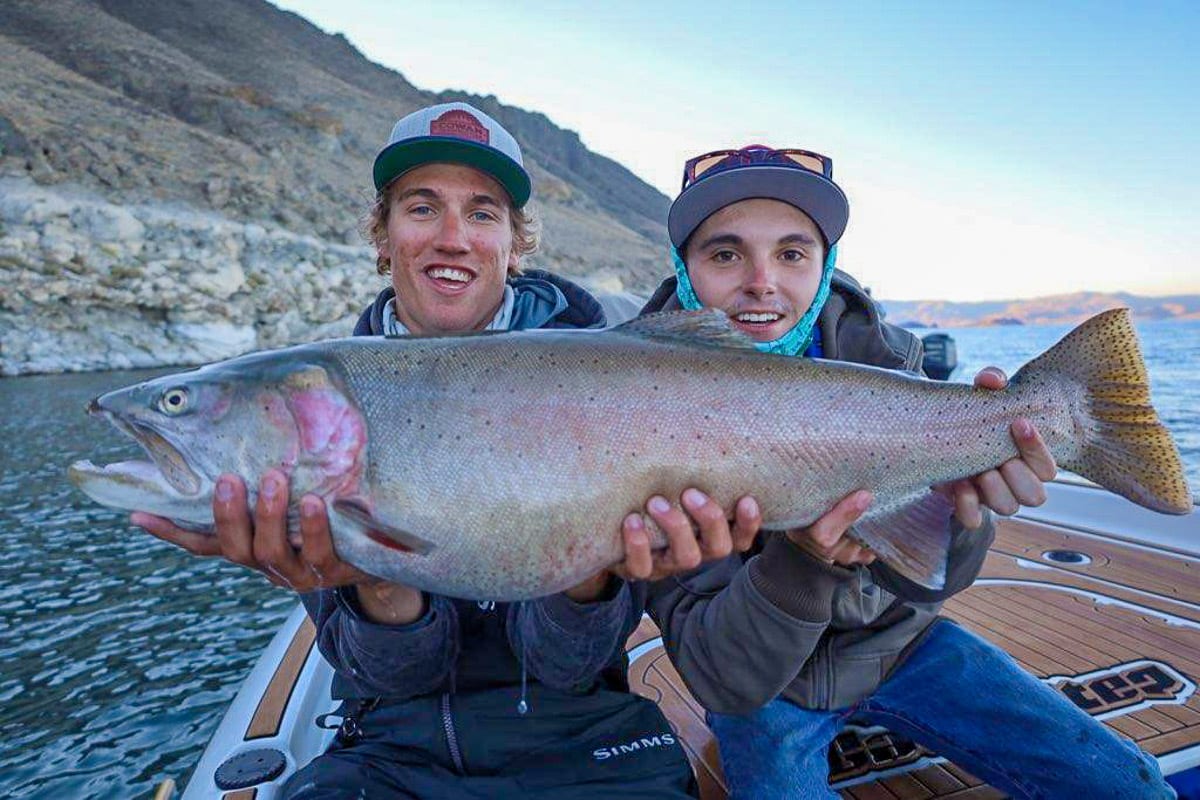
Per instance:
{"type": "Point", "coordinates": [378, 530]}
{"type": "Point", "coordinates": [912, 539]}
{"type": "Point", "coordinates": [1125, 447]}
{"type": "Point", "coordinates": [706, 328]}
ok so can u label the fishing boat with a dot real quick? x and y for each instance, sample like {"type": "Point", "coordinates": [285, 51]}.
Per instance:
{"type": "Point", "coordinates": [1092, 594]}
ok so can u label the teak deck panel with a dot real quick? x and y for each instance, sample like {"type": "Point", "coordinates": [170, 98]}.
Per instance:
{"type": "Point", "coordinates": [1131, 603]}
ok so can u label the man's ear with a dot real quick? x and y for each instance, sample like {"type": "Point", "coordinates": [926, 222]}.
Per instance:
{"type": "Point", "coordinates": [514, 261]}
{"type": "Point", "coordinates": [383, 262]}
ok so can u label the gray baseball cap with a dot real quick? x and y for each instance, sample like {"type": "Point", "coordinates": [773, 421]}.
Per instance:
{"type": "Point", "coordinates": [811, 192]}
{"type": "Point", "coordinates": [457, 133]}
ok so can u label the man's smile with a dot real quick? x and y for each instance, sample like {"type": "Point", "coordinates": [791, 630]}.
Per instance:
{"type": "Point", "coordinates": [449, 278]}
{"type": "Point", "coordinates": [760, 324]}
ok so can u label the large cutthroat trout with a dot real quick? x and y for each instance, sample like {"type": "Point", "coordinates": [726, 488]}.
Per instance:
{"type": "Point", "coordinates": [500, 466]}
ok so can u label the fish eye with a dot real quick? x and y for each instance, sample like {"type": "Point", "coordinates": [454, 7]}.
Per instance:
{"type": "Point", "coordinates": [174, 401]}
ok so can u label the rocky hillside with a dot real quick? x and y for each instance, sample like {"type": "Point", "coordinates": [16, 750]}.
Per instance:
{"type": "Point", "coordinates": [184, 180]}
{"type": "Point", "coordinates": [1063, 309]}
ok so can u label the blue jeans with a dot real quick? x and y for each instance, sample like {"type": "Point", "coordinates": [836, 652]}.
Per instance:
{"type": "Point", "coordinates": [964, 699]}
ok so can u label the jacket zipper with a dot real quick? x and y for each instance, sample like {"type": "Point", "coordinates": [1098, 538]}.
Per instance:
{"type": "Point", "coordinates": [827, 652]}
{"type": "Point", "coordinates": [451, 735]}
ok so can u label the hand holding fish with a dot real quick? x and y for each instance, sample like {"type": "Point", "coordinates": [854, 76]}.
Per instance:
{"type": "Point", "coordinates": [697, 532]}
{"type": "Point", "coordinates": [1015, 483]}
{"type": "Point", "coordinates": [826, 539]}
{"type": "Point", "coordinates": [261, 543]}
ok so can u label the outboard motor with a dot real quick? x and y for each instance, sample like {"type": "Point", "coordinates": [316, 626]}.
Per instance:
{"type": "Point", "coordinates": [941, 356]}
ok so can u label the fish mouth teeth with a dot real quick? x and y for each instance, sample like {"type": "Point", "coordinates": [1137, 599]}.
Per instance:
{"type": "Point", "coordinates": [166, 457]}
{"type": "Point", "coordinates": [758, 317]}
{"type": "Point", "coordinates": [450, 274]}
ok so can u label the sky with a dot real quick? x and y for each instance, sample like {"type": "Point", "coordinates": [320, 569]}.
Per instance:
{"type": "Point", "coordinates": [989, 150]}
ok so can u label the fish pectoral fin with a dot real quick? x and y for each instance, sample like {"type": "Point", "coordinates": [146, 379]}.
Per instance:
{"type": "Point", "coordinates": [913, 539]}
{"type": "Point", "coordinates": [356, 513]}
{"type": "Point", "coordinates": [705, 328]}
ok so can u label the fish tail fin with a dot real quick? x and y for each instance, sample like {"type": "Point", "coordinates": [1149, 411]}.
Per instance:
{"type": "Point", "coordinates": [1125, 448]}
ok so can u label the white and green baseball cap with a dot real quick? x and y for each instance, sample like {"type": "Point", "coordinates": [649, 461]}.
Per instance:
{"type": "Point", "coordinates": [455, 133]}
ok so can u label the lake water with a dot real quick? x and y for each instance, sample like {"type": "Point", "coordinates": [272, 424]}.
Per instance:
{"type": "Point", "coordinates": [119, 653]}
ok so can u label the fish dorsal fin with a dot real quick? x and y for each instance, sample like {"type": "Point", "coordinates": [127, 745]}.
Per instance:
{"type": "Point", "coordinates": [705, 328]}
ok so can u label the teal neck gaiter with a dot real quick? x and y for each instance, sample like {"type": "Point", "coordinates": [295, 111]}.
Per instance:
{"type": "Point", "coordinates": [793, 342]}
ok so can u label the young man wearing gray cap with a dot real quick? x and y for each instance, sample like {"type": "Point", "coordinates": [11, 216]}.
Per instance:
{"type": "Point", "coordinates": [443, 697]}
{"type": "Point", "coordinates": [784, 645]}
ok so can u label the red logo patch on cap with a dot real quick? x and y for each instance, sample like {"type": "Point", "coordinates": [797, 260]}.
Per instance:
{"type": "Point", "coordinates": [461, 125]}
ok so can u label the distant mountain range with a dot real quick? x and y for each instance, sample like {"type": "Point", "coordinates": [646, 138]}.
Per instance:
{"type": "Point", "coordinates": [1062, 309]}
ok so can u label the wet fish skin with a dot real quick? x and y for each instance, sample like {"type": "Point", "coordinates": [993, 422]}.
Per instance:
{"type": "Point", "coordinates": [500, 466]}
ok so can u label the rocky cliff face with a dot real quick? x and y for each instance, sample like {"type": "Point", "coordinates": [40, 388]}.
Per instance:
{"type": "Point", "coordinates": [89, 284]}
{"type": "Point", "coordinates": [181, 181]}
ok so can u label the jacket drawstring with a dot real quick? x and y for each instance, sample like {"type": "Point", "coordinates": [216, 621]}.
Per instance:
{"type": "Point", "coordinates": [522, 705]}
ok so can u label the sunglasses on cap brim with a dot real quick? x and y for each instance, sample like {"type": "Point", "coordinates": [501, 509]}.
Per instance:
{"type": "Point", "coordinates": [721, 160]}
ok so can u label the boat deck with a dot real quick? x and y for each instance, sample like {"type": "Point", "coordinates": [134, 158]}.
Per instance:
{"type": "Point", "coordinates": [1114, 624]}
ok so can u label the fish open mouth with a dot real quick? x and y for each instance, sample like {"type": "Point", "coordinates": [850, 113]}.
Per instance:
{"type": "Point", "coordinates": [165, 456]}
{"type": "Point", "coordinates": [136, 474]}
